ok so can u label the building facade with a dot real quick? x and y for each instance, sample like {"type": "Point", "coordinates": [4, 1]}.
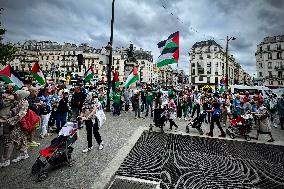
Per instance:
{"type": "Point", "coordinates": [270, 61]}
{"type": "Point", "coordinates": [208, 65]}
{"type": "Point", "coordinates": [61, 61]}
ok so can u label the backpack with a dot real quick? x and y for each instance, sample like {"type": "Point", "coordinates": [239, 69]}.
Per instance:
{"type": "Point", "coordinates": [216, 113]}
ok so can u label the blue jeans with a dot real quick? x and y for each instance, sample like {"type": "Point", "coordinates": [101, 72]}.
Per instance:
{"type": "Point", "coordinates": [149, 104]}
{"type": "Point", "coordinates": [61, 119]}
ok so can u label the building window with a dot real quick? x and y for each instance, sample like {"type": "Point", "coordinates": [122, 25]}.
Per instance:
{"type": "Point", "coordinates": [268, 47]}
{"type": "Point", "coordinates": [260, 74]}
{"type": "Point", "coordinates": [217, 65]}
{"type": "Point", "coordinates": [269, 65]}
{"type": "Point", "coordinates": [193, 56]}
{"type": "Point", "coordinates": [209, 71]}
{"type": "Point", "coordinates": [279, 74]}
{"type": "Point", "coordinates": [208, 56]}
{"type": "Point", "coordinates": [192, 64]}
{"type": "Point", "coordinates": [270, 82]}
{"type": "Point", "coordinates": [270, 73]}
{"type": "Point", "coordinates": [208, 79]}
{"type": "Point", "coordinates": [47, 57]}
{"type": "Point", "coordinates": [278, 46]}
{"type": "Point", "coordinates": [269, 56]}
{"type": "Point", "coordinates": [215, 48]}
{"type": "Point", "coordinates": [260, 48]}
{"type": "Point", "coordinates": [193, 72]}
{"type": "Point", "coordinates": [200, 78]}
{"type": "Point", "coordinates": [208, 64]}
{"type": "Point", "coordinates": [216, 80]}
{"type": "Point", "coordinates": [279, 55]}
{"type": "Point", "coordinates": [260, 55]}
{"type": "Point", "coordinates": [200, 57]}
{"type": "Point", "coordinates": [260, 65]}
{"type": "Point", "coordinates": [280, 82]}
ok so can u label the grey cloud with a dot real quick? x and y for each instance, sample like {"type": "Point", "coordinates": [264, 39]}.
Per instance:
{"type": "Point", "coordinates": [276, 3]}
{"type": "Point", "coordinates": [146, 22]}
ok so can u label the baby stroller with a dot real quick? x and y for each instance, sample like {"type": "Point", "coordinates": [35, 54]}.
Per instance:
{"type": "Point", "coordinates": [160, 118]}
{"type": "Point", "coordinates": [58, 152]}
{"type": "Point", "coordinates": [240, 127]}
{"type": "Point", "coordinates": [197, 123]}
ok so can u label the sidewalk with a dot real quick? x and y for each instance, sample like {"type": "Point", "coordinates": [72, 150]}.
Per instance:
{"type": "Point", "coordinates": [96, 168]}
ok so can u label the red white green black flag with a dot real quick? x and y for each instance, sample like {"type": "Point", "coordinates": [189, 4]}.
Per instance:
{"type": "Point", "coordinates": [37, 73]}
{"type": "Point", "coordinates": [169, 49]}
{"type": "Point", "coordinates": [10, 76]}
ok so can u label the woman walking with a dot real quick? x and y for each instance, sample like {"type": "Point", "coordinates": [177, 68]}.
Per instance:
{"type": "Point", "coordinates": [172, 112]}
{"type": "Point", "coordinates": [17, 136]}
{"type": "Point", "coordinates": [88, 114]}
{"type": "Point", "coordinates": [262, 121]}
{"type": "Point", "coordinates": [216, 113]}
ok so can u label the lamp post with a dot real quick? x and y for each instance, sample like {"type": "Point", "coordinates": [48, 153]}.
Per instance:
{"type": "Point", "coordinates": [109, 47]}
{"type": "Point", "coordinates": [227, 65]}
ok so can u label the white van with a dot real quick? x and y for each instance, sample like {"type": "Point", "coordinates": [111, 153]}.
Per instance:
{"type": "Point", "coordinates": [251, 89]}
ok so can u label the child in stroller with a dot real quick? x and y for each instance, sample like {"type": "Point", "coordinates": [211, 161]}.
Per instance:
{"type": "Point", "coordinates": [241, 126]}
{"type": "Point", "coordinates": [197, 122]}
{"type": "Point", "coordinates": [58, 152]}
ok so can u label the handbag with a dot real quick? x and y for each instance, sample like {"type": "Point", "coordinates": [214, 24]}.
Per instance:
{"type": "Point", "coordinates": [29, 122]}
{"type": "Point", "coordinates": [101, 117]}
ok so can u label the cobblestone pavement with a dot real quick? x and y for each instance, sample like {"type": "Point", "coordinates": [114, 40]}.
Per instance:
{"type": "Point", "coordinates": [94, 169]}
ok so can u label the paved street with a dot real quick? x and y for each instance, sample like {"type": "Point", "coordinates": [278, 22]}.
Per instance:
{"type": "Point", "coordinates": [97, 168]}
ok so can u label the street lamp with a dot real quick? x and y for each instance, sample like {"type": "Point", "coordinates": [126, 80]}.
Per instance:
{"type": "Point", "coordinates": [227, 65]}
{"type": "Point", "coordinates": [109, 48]}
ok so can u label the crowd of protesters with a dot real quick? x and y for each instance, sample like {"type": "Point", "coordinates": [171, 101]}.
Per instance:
{"type": "Point", "coordinates": [55, 105]}
{"type": "Point", "coordinates": [219, 107]}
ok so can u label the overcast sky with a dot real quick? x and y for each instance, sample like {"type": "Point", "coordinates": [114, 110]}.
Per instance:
{"type": "Point", "coordinates": [146, 22]}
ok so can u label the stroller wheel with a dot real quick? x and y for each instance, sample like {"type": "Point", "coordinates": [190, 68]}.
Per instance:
{"type": "Point", "coordinates": [36, 168]}
{"type": "Point", "coordinates": [200, 131]}
{"type": "Point", "coordinates": [187, 129]}
{"type": "Point", "coordinates": [151, 128]}
{"type": "Point", "coordinates": [247, 138]}
{"type": "Point", "coordinates": [232, 135]}
{"type": "Point", "coordinates": [42, 176]}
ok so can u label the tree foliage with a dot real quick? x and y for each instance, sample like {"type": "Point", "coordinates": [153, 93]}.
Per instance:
{"type": "Point", "coordinates": [7, 50]}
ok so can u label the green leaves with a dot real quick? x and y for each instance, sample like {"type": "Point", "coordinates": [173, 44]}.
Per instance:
{"type": "Point", "coordinates": [7, 50]}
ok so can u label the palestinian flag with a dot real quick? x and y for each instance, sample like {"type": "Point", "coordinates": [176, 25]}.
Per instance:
{"type": "Point", "coordinates": [169, 49]}
{"type": "Point", "coordinates": [116, 82]}
{"type": "Point", "coordinates": [10, 76]}
{"type": "Point", "coordinates": [37, 73]}
{"type": "Point", "coordinates": [221, 89]}
{"type": "Point", "coordinates": [132, 78]}
{"type": "Point", "coordinates": [89, 75]}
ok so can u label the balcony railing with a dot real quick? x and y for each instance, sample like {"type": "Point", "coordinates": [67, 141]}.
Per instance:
{"type": "Point", "coordinates": [279, 67]}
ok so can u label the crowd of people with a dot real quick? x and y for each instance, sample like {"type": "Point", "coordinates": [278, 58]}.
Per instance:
{"type": "Point", "coordinates": [219, 107]}
{"type": "Point", "coordinates": [55, 105]}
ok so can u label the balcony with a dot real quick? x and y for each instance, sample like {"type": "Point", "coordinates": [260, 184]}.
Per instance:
{"type": "Point", "coordinates": [279, 68]}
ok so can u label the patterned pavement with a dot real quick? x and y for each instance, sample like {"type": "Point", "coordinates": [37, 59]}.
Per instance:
{"type": "Point", "coordinates": [175, 158]}
{"type": "Point", "coordinates": [183, 161]}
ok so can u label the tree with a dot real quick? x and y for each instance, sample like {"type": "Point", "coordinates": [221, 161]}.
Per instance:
{"type": "Point", "coordinates": [7, 50]}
